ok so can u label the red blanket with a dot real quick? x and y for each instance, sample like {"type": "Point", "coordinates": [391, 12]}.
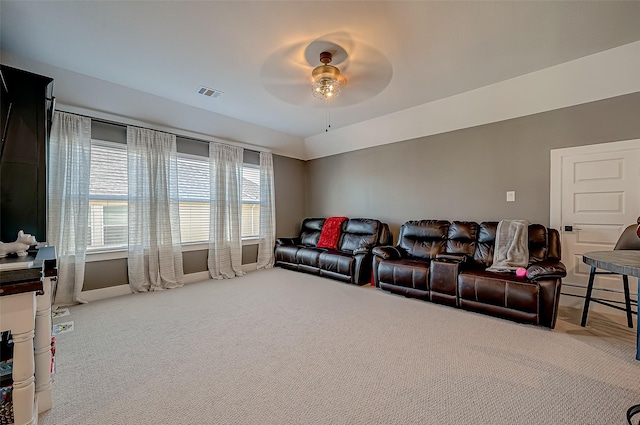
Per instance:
{"type": "Point", "coordinates": [330, 233]}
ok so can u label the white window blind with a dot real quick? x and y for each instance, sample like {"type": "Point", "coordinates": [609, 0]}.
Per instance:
{"type": "Point", "coordinates": [108, 217]}
{"type": "Point", "coordinates": [250, 201]}
{"type": "Point", "coordinates": [193, 191]}
{"type": "Point", "coordinates": [108, 196]}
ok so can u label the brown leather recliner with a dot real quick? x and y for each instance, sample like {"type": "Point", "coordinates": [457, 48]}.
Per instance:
{"type": "Point", "coordinates": [350, 262]}
{"type": "Point", "coordinates": [446, 262]}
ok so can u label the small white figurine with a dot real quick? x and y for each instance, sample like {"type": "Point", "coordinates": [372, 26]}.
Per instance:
{"type": "Point", "coordinates": [20, 246]}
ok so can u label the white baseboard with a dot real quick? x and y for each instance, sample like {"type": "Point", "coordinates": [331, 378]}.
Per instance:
{"type": "Point", "coordinates": [252, 267]}
{"type": "Point", "coordinates": [200, 276]}
{"type": "Point", "coordinates": [116, 291]}
{"type": "Point", "coordinates": [196, 277]}
{"type": "Point", "coordinates": [104, 293]}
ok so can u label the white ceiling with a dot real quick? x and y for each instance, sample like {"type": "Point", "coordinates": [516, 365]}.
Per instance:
{"type": "Point", "coordinates": [425, 50]}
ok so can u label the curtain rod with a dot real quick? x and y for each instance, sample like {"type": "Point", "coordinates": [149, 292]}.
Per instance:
{"type": "Point", "coordinates": [121, 124]}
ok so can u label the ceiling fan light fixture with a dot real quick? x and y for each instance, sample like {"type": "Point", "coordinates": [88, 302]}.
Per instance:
{"type": "Point", "coordinates": [326, 88]}
{"type": "Point", "coordinates": [326, 83]}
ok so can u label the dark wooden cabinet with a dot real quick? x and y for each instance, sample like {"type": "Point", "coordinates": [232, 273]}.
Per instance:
{"type": "Point", "coordinates": [27, 107]}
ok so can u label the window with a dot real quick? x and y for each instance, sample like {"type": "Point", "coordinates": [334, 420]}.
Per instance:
{"type": "Point", "coordinates": [108, 196]}
{"type": "Point", "coordinates": [250, 201]}
{"type": "Point", "coordinates": [108, 214]}
{"type": "Point", "coordinates": [193, 191]}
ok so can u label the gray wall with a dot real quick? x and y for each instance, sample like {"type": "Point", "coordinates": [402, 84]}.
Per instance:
{"type": "Point", "coordinates": [465, 174]}
{"type": "Point", "coordinates": [103, 274]}
{"type": "Point", "coordinates": [289, 177]}
{"type": "Point", "coordinates": [106, 273]}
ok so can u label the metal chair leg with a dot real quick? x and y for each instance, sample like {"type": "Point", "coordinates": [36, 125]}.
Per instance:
{"type": "Point", "coordinates": [587, 298]}
{"type": "Point", "coordinates": [627, 300]}
{"type": "Point", "coordinates": [633, 410]}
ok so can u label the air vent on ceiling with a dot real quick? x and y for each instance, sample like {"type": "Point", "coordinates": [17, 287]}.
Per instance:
{"type": "Point", "coordinates": [206, 91]}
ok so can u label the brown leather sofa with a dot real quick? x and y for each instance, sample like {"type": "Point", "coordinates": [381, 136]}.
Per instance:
{"type": "Point", "coordinates": [445, 262]}
{"type": "Point", "coordinates": [350, 262]}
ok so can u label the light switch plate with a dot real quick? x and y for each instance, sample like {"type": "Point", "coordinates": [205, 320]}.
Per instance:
{"type": "Point", "coordinates": [511, 196]}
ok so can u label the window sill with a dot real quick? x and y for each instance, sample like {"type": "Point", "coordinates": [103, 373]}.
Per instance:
{"type": "Point", "coordinates": [250, 241]}
{"type": "Point", "coordinates": [195, 246]}
{"type": "Point", "coordinates": [117, 254]}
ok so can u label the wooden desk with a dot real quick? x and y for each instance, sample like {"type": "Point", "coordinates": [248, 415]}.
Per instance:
{"type": "Point", "coordinates": [625, 262]}
{"type": "Point", "coordinates": [28, 317]}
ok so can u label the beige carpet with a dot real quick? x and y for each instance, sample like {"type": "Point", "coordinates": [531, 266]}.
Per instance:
{"type": "Point", "coordinates": [280, 347]}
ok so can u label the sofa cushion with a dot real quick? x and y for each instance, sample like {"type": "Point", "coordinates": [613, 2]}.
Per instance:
{"type": "Point", "coordinates": [537, 243]}
{"type": "Point", "coordinates": [310, 231]}
{"type": "Point", "coordinates": [554, 251]}
{"type": "Point", "coordinates": [309, 256]}
{"type": "Point", "coordinates": [462, 238]}
{"type": "Point", "coordinates": [424, 238]}
{"type": "Point", "coordinates": [406, 273]}
{"type": "Point", "coordinates": [499, 289]}
{"type": "Point", "coordinates": [336, 262]}
{"type": "Point", "coordinates": [287, 253]}
{"type": "Point", "coordinates": [483, 257]}
{"type": "Point", "coordinates": [358, 233]}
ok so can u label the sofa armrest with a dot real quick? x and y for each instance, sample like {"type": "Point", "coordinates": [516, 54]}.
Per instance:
{"type": "Point", "coordinates": [451, 258]}
{"type": "Point", "coordinates": [287, 241]}
{"type": "Point", "coordinates": [387, 252]}
{"type": "Point", "coordinates": [362, 250]}
{"type": "Point", "coordinates": [548, 269]}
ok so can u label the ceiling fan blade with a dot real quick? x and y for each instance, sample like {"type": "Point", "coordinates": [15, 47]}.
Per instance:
{"type": "Point", "coordinates": [368, 73]}
{"type": "Point", "coordinates": [287, 76]}
{"type": "Point", "coordinates": [286, 73]}
{"type": "Point", "coordinates": [291, 92]}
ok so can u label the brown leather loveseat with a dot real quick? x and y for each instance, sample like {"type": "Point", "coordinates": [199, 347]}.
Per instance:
{"type": "Point", "coordinates": [350, 262]}
{"type": "Point", "coordinates": [446, 262]}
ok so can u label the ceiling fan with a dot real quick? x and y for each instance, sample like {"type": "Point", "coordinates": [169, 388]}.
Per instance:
{"type": "Point", "coordinates": [327, 80]}
{"type": "Point", "coordinates": [332, 67]}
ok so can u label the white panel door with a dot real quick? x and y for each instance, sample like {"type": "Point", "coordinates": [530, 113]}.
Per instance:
{"type": "Point", "coordinates": [600, 198]}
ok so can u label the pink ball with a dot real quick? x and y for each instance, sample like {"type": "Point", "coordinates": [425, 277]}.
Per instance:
{"type": "Point", "coordinates": [521, 272]}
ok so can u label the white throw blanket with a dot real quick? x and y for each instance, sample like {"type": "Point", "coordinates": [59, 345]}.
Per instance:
{"type": "Point", "coordinates": [512, 246]}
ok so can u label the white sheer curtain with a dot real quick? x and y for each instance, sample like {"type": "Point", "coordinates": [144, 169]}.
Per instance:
{"type": "Point", "coordinates": [267, 212]}
{"type": "Point", "coordinates": [68, 205]}
{"type": "Point", "coordinates": [225, 241]}
{"type": "Point", "coordinates": [155, 252]}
